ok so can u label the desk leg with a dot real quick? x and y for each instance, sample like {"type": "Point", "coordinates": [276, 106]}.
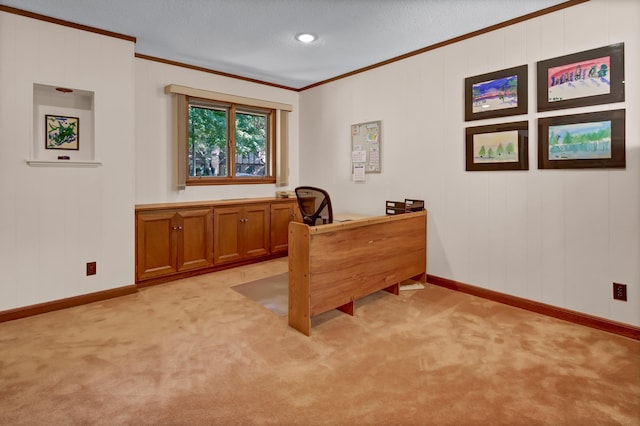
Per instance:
{"type": "Point", "coordinates": [347, 308]}
{"type": "Point", "coordinates": [421, 278]}
{"type": "Point", "coordinates": [394, 289]}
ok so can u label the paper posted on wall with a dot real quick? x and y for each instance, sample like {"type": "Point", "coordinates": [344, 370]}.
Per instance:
{"type": "Point", "coordinates": [366, 140]}
{"type": "Point", "coordinates": [358, 172]}
{"type": "Point", "coordinates": [359, 156]}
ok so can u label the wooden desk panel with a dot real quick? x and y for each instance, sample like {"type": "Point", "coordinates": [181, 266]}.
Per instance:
{"type": "Point", "coordinates": [331, 266]}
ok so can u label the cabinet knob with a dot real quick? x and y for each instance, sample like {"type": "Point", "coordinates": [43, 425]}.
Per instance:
{"type": "Point", "coordinates": [180, 227]}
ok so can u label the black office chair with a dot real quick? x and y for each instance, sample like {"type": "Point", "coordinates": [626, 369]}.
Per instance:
{"type": "Point", "coordinates": [315, 205]}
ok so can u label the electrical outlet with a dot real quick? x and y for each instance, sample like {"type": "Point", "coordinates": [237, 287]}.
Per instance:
{"type": "Point", "coordinates": [91, 268]}
{"type": "Point", "coordinates": [620, 291]}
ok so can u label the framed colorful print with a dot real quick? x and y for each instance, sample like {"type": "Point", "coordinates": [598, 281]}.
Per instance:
{"type": "Point", "coordinates": [498, 147]}
{"type": "Point", "coordinates": [62, 132]}
{"type": "Point", "coordinates": [592, 77]}
{"type": "Point", "coordinates": [581, 141]}
{"type": "Point", "coordinates": [496, 94]}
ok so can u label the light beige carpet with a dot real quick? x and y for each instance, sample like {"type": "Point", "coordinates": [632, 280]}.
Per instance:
{"type": "Point", "coordinates": [196, 352]}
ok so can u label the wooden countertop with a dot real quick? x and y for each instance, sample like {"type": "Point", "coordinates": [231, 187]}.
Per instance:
{"type": "Point", "coordinates": [212, 203]}
{"type": "Point", "coordinates": [362, 221]}
{"type": "Point", "coordinates": [346, 217]}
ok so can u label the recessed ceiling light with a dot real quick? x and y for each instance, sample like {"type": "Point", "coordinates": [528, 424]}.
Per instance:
{"type": "Point", "coordinates": [306, 37]}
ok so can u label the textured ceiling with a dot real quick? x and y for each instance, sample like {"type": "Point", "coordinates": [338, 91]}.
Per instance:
{"type": "Point", "coordinates": [255, 38]}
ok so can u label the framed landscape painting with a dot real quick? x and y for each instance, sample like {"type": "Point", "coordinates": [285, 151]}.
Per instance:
{"type": "Point", "coordinates": [580, 141]}
{"type": "Point", "coordinates": [496, 94]}
{"type": "Point", "coordinates": [592, 77]}
{"type": "Point", "coordinates": [498, 147]}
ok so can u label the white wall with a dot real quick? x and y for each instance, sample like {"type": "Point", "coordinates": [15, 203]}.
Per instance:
{"type": "Point", "coordinates": [155, 149]}
{"type": "Point", "coordinates": [558, 237]}
{"type": "Point", "coordinates": [56, 219]}
{"type": "Point", "coordinates": [59, 218]}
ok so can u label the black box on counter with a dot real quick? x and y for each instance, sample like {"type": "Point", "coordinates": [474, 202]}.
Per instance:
{"type": "Point", "coordinates": [392, 211]}
{"type": "Point", "coordinates": [413, 205]}
{"type": "Point", "coordinates": [395, 204]}
{"type": "Point", "coordinates": [394, 207]}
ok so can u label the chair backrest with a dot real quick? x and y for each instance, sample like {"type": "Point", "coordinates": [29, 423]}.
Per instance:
{"type": "Point", "coordinates": [315, 205]}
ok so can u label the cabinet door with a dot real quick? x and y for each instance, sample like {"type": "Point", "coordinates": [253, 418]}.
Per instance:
{"type": "Point", "coordinates": [195, 239]}
{"type": "Point", "coordinates": [226, 234]}
{"type": "Point", "coordinates": [255, 231]}
{"type": "Point", "coordinates": [281, 215]}
{"type": "Point", "coordinates": [156, 245]}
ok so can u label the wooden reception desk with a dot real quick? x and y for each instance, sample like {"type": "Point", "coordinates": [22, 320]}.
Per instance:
{"type": "Point", "coordinates": [332, 266]}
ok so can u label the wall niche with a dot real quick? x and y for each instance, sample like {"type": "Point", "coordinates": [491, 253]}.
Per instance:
{"type": "Point", "coordinates": [63, 127]}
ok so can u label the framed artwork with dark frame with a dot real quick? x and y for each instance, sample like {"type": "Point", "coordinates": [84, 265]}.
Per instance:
{"type": "Point", "coordinates": [496, 94]}
{"type": "Point", "coordinates": [582, 141]}
{"type": "Point", "coordinates": [62, 132]}
{"type": "Point", "coordinates": [592, 77]}
{"type": "Point", "coordinates": [498, 147]}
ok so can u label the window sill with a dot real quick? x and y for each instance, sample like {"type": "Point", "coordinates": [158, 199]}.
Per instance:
{"type": "Point", "coordinates": [230, 181]}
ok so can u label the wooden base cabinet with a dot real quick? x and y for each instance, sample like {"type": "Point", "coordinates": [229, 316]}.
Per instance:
{"type": "Point", "coordinates": [175, 240]}
{"type": "Point", "coordinates": [240, 232]}
{"type": "Point", "coordinates": [281, 215]}
{"type": "Point", "coordinates": [172, 241]}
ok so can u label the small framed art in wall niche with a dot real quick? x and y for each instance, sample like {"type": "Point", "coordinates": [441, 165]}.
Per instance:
{"type": "Point", "coordinates": [582, 141]}
{"type": "Point", "coordinates": [62, 132]}
{"type": "Point", "coordinates": [496, 94]}
{"type": "Point", "coordinates": [498, 147]}
{"type": "Point", "coordinates": [592, 77]}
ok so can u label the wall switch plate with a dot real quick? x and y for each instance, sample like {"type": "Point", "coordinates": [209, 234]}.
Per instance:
{"type": "Point", "coordinates": [91, 268]}
{"type": "Point", "coordinates": [620, 291]}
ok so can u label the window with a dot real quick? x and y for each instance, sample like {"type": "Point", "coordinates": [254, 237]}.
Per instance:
{"type": "Point", "coordinates": [228, 139]}
{"type": "Point", "coordinates": [229, 143]}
